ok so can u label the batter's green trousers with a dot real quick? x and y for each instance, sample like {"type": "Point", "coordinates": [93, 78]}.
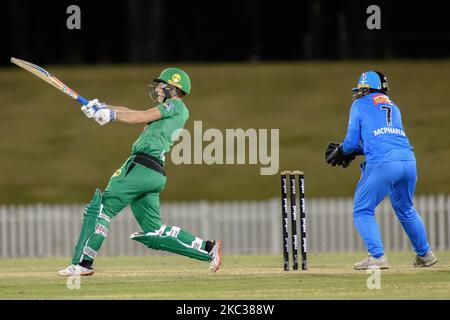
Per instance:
{"type": "Point", "coordinates": [138, 186]}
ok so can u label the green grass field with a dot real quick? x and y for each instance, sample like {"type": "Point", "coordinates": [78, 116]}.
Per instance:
{"type": "Point", "coordinates": [330, 276]}
{"type": "Point", "coordinates": [52, 153]}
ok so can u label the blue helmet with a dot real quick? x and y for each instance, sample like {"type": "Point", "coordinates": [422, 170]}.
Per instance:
{"type": "Point", "coordinates": [372, 80]}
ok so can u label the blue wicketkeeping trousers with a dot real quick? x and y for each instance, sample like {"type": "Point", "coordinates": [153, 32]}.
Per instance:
{"type": "Point", "coordinates": [398, 180]}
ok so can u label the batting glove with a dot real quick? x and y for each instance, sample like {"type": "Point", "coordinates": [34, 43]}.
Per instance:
{"type": "Point", "coordinates": [104, 116]}
{"type": "Point", "coordinates": [92, 106]}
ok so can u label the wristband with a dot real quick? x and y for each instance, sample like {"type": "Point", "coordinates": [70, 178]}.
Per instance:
{"type": "Point", "coordinates": [112, 115]}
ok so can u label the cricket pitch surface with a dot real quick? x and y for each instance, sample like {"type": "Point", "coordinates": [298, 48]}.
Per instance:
{"type": "Point", "coordinates": [330, 276]}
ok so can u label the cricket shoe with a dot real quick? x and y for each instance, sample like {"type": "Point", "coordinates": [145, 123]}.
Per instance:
{"type": "Point", "coordinates": [426, 261]}
{"type": "Point", "coordinates": [75, 270]}
{"type": "Point", "coordinates": [372, 263]}
{"type": "Point", "coordinates": [215, 255]}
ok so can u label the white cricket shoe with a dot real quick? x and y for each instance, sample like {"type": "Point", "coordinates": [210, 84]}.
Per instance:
{"type": "Point", "coordinates": [75, 270]}
{"type": "Point", "coordinates": [215, 254]}
{"type": "Point", "coordinates": [426, 261]}
{"type": "Point", "coordinates": [372, 263]}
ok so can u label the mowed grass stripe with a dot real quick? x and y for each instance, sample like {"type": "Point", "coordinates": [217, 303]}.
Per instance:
{"type": "Point", "coordinates": [243, 277]}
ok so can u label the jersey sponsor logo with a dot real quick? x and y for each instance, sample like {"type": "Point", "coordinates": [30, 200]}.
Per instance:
{"type": "Point", "coordinates": [389, 130]}
{"type": "Point", "coordinates": [381, 99]}
{"type": "Point", "coordinates": [168, 106]}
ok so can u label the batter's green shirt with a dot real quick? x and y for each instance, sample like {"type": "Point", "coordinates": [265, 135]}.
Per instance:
{"type": "Point", "coordinates": [156, 139]}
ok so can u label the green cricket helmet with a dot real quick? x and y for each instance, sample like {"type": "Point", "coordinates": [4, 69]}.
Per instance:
{"type": "Point", "coordinates": [177, 78]}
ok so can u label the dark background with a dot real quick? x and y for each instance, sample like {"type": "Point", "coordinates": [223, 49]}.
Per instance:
{"type": "Point", "coordinates": [161, 31]}
{"type": "Point", "coordinates": [286, 65]}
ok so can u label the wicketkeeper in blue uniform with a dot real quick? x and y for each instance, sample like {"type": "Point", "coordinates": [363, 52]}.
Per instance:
{"type": "Point", "coordinates": [375, 130]}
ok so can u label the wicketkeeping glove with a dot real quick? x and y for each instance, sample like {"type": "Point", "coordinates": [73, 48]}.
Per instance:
{"type": "Point", "coordinates": [349, 158]}
{"type": "Point", "coordinates": [335, 156]}
{"type": "Point", "coordinates": [331, 147]}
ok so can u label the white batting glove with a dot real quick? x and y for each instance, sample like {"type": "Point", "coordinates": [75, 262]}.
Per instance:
{"type": "Point", "coordinates": [92, 106]}
{"type": "Point", "coordinates": [104, 116]}
{"type": "Point", "coordinates": [88, 109]}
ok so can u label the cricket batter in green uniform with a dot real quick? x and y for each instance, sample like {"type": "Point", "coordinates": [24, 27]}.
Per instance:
{"type": "Point", "coordinates": [140, 180]}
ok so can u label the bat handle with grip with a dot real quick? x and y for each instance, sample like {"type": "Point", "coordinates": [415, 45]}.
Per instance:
{"type": "Point", "coordinates": [84, 102]}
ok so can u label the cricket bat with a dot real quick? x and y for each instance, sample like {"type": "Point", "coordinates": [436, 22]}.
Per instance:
{"type": "Point", "coordinates": [49, 78]}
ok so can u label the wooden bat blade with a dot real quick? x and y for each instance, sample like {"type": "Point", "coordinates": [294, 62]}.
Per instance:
{"type": "Point", "coordinates": [49, 78]}
{"type": "Point", "coordinates": [38, 72]}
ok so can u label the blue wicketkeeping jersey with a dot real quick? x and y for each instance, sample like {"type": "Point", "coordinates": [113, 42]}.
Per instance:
{"type": "Point", "coordinates": [375, 126]}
